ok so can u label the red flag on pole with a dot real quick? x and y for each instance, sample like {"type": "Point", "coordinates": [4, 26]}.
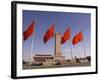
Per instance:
{"type": "Point", "coordinates": [49, 34]}
{"type": "Point", "coordinates": [29, 31]}
{"type": "Point", "coordinates": [66, 36]}
{"type": "Point", "coordinates": [77, 38]}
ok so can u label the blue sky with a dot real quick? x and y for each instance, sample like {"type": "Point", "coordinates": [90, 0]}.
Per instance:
{"type": "Point", "coordinates": [61, 20]}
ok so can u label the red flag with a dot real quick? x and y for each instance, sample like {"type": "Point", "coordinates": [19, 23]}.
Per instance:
{"type": "Point", "coordinates": [29, 31]}
{"type": "Point", "coordinates": [66, 36]}
{"type": "Point", "coordinates": [77, 38]}
{"type": "Point", "coordinates": [49, 34]}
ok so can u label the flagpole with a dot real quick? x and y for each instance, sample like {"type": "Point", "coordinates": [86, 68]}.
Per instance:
{"type": "Point", "coordinates": [84, 49]}
{"type": "Point", "coordinates": [31, 48]}
{"type": "Point", "coordinates": [71, 49]}
{"type": "Point", "coordinates": [31, 55]}
{"type": "Point", "coordinates": [54, 23]}
{"type": "Point", "coordinates": [55, 44]}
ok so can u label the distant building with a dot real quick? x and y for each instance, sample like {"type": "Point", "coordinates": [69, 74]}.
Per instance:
{"type": "Point", "coordinates": [42, 57]}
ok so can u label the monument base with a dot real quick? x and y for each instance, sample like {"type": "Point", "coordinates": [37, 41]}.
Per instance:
{"type": "Point", "coordinates": [59, 58]}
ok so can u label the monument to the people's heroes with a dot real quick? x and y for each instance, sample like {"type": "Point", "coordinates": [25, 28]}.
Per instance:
{"type": "Point", "coordinates": [45, 58]}
{"type": "Point", "coordinates": [58, 54]}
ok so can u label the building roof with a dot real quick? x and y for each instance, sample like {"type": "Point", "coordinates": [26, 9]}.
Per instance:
{"type": "Point", "coordinates": [43, 55]}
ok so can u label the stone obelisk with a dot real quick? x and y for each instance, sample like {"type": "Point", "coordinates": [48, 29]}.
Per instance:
{"type": "Point", "coordinates": [58, 55]}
